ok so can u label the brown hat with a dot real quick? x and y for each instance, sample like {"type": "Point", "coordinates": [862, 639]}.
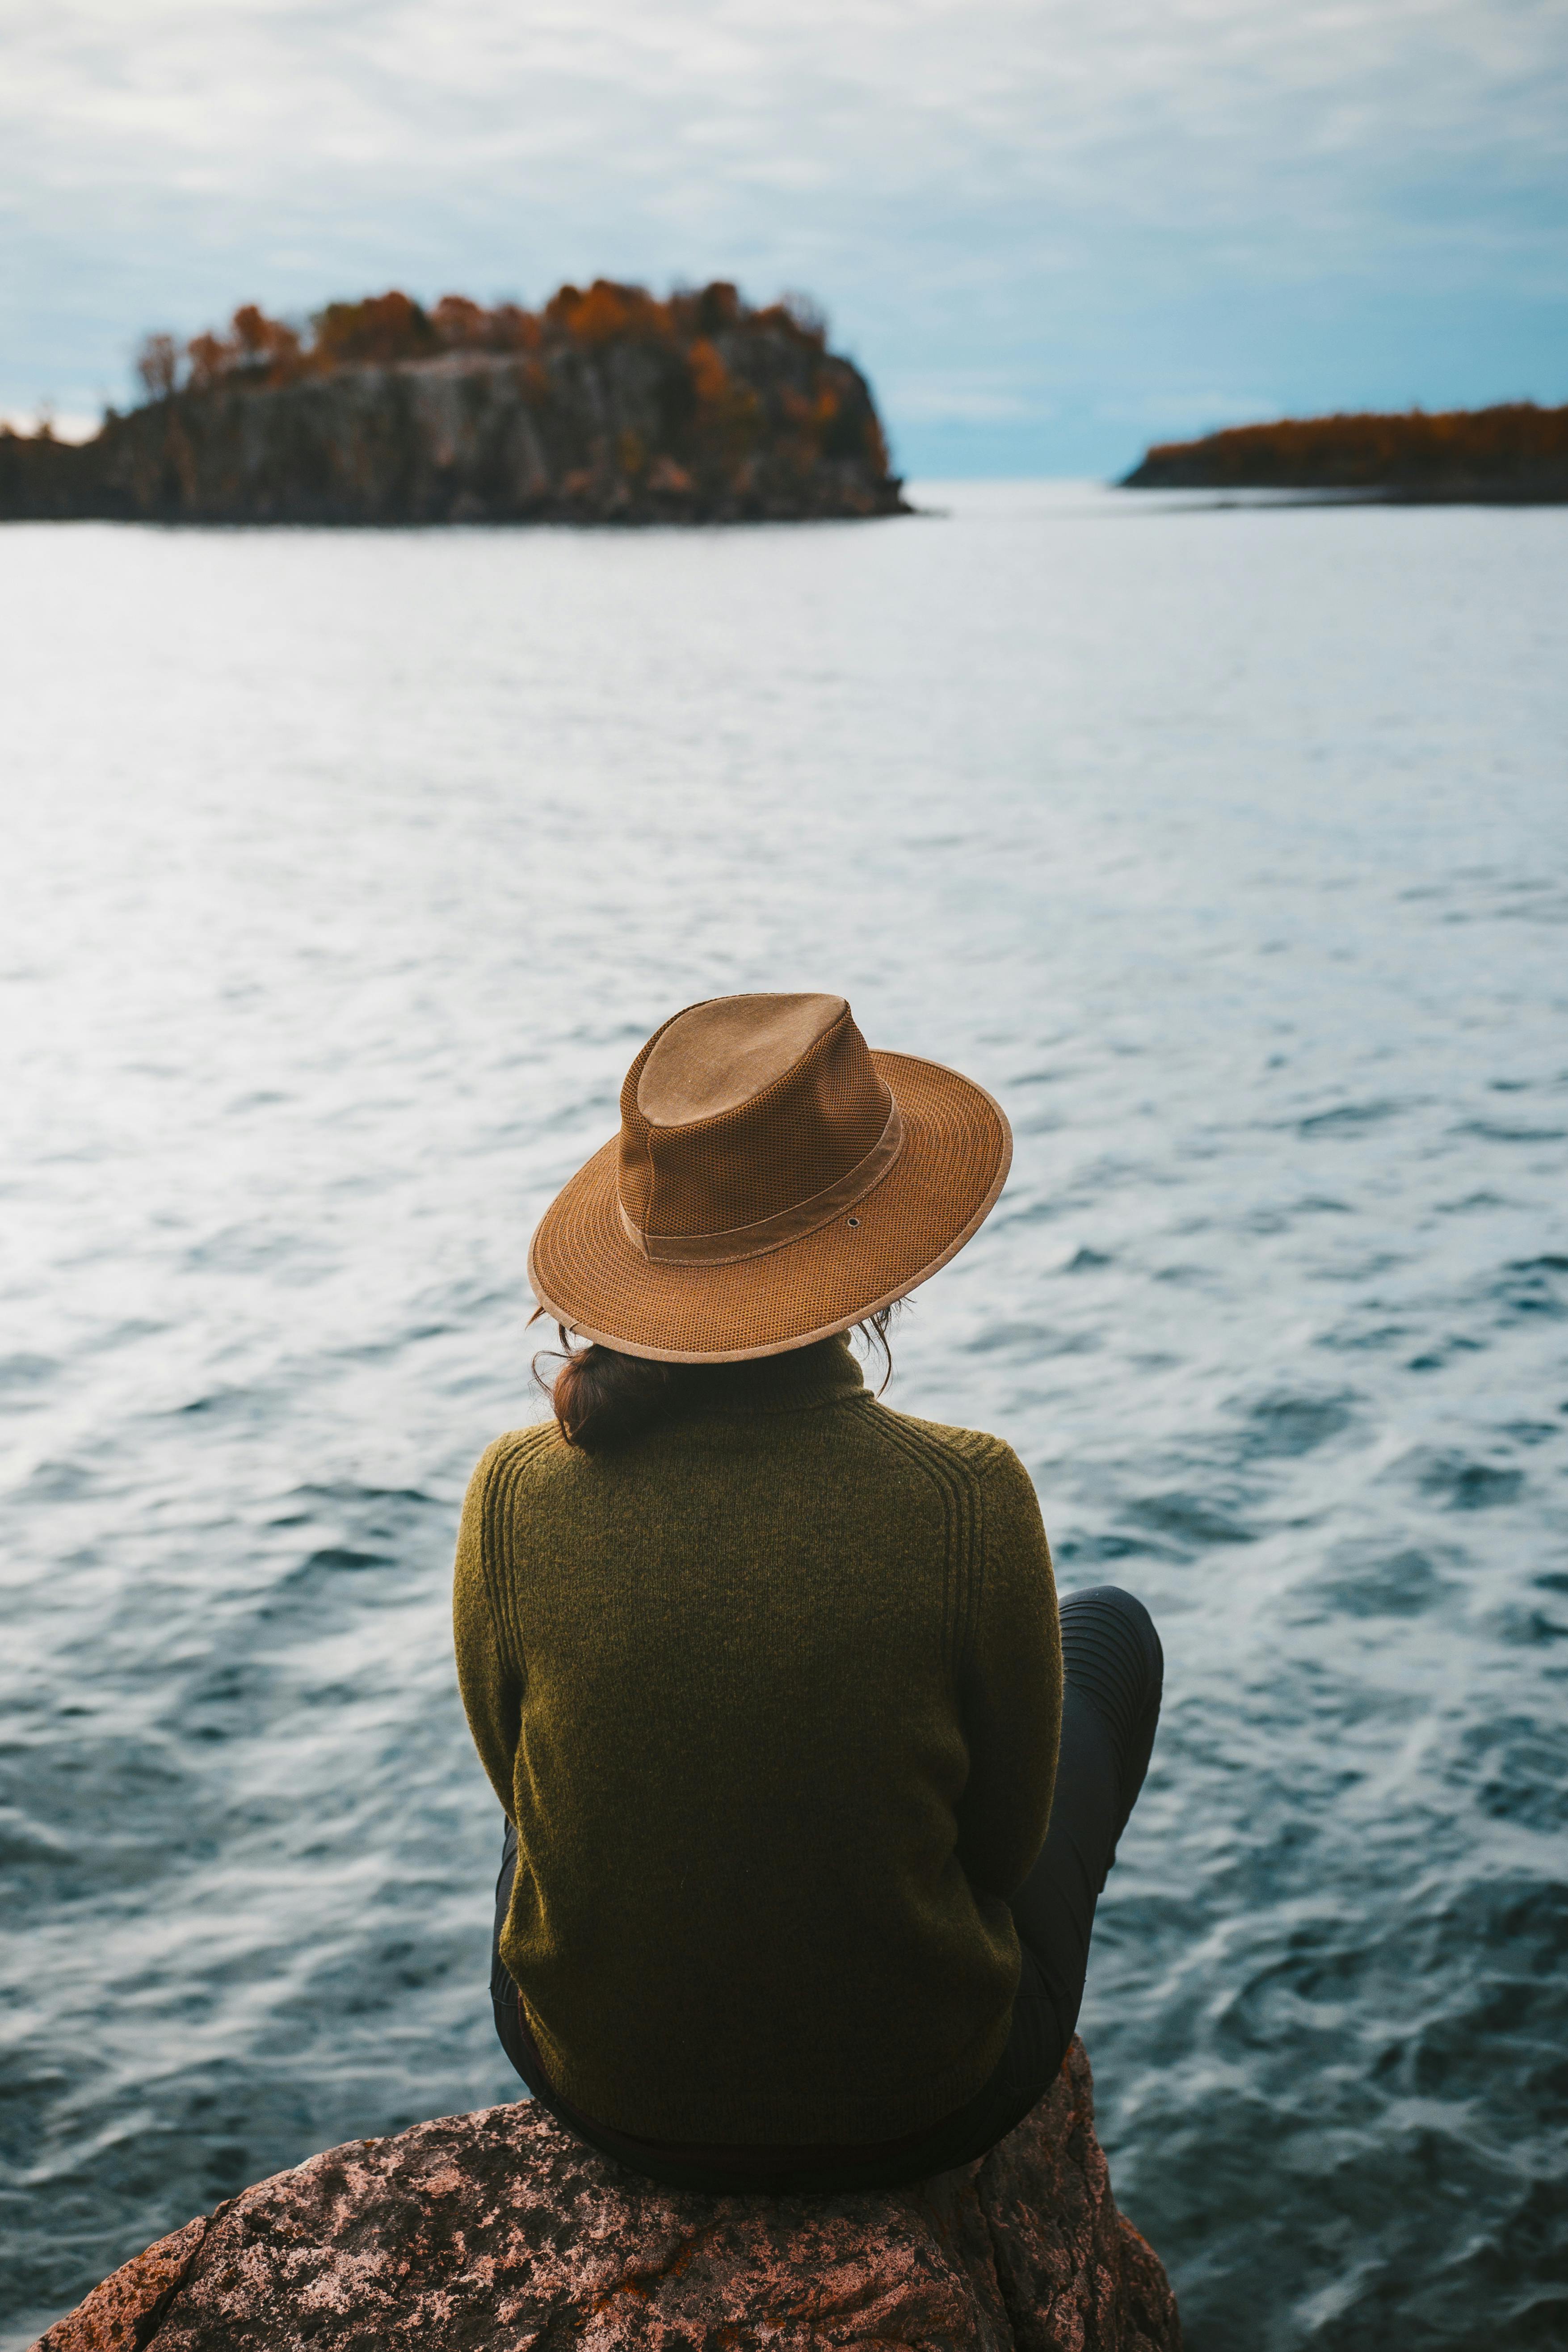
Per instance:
{"type": "Point", "coordinates": [774, 1180]}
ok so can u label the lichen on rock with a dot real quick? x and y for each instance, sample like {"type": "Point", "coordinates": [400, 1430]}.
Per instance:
{"type": "Point", "coordinates": [500, 2229]}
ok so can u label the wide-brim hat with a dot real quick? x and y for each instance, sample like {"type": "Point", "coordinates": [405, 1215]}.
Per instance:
{"type": "Point", "coordinates": [774, 1181]}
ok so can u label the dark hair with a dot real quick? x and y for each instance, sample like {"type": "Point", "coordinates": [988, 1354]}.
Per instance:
{"type": "Point", "coordinates": [601, 1397]}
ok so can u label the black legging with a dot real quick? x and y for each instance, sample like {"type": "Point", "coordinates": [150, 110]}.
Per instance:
{"type": "Point", "coordinates": [1113, 1671]}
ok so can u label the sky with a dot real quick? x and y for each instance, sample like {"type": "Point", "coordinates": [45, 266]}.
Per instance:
{"type": "Point", "coordinates": [1050, 232]}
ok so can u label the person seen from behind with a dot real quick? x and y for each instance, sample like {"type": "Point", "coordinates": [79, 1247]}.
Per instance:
{"type": "Point", "coordinates": [810, 1786]}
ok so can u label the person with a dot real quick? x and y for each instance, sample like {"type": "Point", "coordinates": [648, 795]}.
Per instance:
{"type": "Point", "coordinates": [810, 1788]}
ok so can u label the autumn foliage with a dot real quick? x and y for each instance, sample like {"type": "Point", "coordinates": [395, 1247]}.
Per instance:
{"type": "Point", "coordinates": [387, 329]}
{"type": "Point", "coordinates": [1513, 449]}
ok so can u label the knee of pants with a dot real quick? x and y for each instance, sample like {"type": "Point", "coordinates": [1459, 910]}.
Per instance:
{"type": "Point", "coordinates": [1109, 1606]}
{"type": "Point", "coordinates": [1114, 1600]}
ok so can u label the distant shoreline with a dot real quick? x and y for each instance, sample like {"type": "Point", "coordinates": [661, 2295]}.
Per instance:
{"type": "Point", "coordinates": [1513, 454]}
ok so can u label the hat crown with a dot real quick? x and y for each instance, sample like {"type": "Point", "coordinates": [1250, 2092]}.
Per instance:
{"type": "Point", "coordinates": [746, 1113]}
{"type": "Point", "coordinates": [717, 1056]}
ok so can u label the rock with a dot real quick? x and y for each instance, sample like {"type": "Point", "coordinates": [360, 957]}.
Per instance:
{"type": "Point", "coordinates": [500, 2229]}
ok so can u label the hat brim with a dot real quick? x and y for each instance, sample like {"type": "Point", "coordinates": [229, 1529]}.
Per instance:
{"type": "Point", "coordinates": [589, 1275]}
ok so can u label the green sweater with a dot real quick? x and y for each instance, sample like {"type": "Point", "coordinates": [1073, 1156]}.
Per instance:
{"type": "Point", "coordinates": [773, 1695]}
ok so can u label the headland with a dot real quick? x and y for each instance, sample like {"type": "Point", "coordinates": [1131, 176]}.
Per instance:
{"type": "Point", "coordinates": [606, 406]}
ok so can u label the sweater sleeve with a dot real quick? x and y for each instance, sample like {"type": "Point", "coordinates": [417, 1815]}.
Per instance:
{"type": "Point", "coordinates": [1011, 1694]}
{"type": "Point", "coordinates": [490, 1684]}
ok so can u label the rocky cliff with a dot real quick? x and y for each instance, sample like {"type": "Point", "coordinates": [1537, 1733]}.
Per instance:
{"type": "Point", "coordinates": [500, 2229]}
{"type": "Point", "coordinates": [605, 406]}
{"type": "Point", "coordinates": [1515, 455]}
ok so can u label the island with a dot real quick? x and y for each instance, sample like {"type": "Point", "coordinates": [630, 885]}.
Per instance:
{"type": "Point", "coordinates": [1515, 455]}
{"type": "Point", "coordinates": [608, 405]}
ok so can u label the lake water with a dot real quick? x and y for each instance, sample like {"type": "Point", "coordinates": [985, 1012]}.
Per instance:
{"type": "Point", "coordinates": [342, 875]}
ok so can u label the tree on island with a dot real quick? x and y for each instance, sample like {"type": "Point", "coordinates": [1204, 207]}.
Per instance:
{"type": "Point", "coordinates": [391, 329]}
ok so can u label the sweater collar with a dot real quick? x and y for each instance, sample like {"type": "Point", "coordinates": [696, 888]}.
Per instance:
{"type": "Point", "coordinates": [798, 1381]}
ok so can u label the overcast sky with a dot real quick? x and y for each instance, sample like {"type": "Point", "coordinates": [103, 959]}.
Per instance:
{"type": "Point", "coordinates": [1049, 232]}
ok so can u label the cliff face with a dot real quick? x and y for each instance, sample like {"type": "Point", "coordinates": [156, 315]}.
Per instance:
{"type": "Point", "coordinates": [609, 407]}
{"type": "Point", "coordinates": [500, 2229]}
{"type": "Point", "coordinates": [1512, 454]}
{"type": "Point", "coordinates": [43, 479]}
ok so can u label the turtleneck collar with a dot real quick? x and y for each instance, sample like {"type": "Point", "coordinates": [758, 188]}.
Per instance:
{"type": "Point", "coordinates": [804, 1378]}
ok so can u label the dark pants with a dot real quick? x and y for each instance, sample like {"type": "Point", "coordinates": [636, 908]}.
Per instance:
{"type": "Point", "coordinates": [1114, 1670]}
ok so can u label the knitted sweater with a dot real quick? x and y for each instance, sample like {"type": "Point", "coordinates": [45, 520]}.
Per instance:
{"type": "Point", "coordinates": [773, 1695]}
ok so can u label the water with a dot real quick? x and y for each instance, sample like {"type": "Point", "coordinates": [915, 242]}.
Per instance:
{"type": "Point", "coordinates": [343, 876]}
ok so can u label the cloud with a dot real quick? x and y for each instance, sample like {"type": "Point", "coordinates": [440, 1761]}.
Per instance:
{"type": "Point", "coordinates": [1050, 204]}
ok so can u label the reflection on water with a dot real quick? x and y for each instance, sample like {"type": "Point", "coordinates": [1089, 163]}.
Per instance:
{"type": "Point", "coordinates": [344, 874]}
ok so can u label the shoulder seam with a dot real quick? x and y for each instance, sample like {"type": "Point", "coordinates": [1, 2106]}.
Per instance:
{"type": "Point", "coordinates": [511, 1458]}
{"type": "Point", "coordinates": [998, 1456]}
{"type": "Point", "coordinates": [957, 1484]}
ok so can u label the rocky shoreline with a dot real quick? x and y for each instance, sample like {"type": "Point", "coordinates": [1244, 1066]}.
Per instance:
{"type": "Point", "coordinates": [606, 406]}
{"type": "Point", "coordinates": [1515, 455]}
{"type": "Point", "coordinates": [499, 2229]}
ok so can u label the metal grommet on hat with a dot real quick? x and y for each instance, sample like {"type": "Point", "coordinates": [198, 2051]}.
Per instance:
{"type": "Point", "coordinates": [774, 1181]}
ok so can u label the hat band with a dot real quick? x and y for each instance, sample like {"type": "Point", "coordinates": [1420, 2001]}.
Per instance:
{"type": "Point", "coordinates": [772, 1232]}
